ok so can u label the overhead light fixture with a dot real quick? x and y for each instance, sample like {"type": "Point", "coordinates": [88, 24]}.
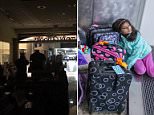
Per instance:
{"type": "Point", "coordinates": [41, 7]}
{"type": "Point", "coordinates": [48, 20]}
{"type": "Point", "coordinates": [63, 13]}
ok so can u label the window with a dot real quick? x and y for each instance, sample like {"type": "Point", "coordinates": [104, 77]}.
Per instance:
{"type": "Point", "coordinates": [4, 52]}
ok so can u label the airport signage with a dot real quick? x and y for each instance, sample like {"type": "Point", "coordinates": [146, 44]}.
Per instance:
{"type": "Point", "coordinates": [55, 38]}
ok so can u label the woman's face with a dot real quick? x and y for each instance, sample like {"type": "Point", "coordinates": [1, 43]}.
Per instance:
{"type": "Point", "coordinates": [126, 28]}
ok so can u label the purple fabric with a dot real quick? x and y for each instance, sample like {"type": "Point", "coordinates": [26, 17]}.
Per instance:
{"type": "Point", "coordinates": [81, 59]}
{"type": "Point", "coordinates": [82, 80]}
{"type": "Point", "coordinates": [145, 65]}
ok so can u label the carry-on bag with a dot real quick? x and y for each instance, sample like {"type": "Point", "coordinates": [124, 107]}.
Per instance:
{"type": "Point", "coordinates": [99, 32]}
{"type": "Point", "coordinates": [108, 86]}
{"type": "Point", "coordinates": [105, 51]}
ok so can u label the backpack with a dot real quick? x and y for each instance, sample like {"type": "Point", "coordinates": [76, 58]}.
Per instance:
{"type": "Point", "coordinates": [107, 52]}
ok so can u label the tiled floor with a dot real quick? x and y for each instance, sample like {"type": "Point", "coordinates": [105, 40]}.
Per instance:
{"type": "Point", "coordinates": [72, 96]}
{"type": "Point", "coordinates": [73, 110]}
{"type": "Point", "coordinates": [135, 97]}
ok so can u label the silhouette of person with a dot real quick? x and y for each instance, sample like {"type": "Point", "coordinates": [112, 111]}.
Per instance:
{"type": "Point", "coordinates": [1, 72]}
{"type": "Point", "coordinates": [37, 63]}
{"type": "Point", "coordinates": [53, 94]}
{"type": "Point", "coordinates": [21, 65]}
{"type": "Point", "coordinates": [61, 78]}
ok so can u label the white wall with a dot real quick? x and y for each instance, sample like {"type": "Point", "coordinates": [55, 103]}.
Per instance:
{"type": "Point", "coordinates": [147, 23]}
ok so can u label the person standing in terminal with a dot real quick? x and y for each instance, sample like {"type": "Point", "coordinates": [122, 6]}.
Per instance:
{"type": "Point", "coordinates": [21, 65]}
{"type": "Point", "coordinates": [37, 64]}
{"type": "Point", "coordinates": [138, 51]}
{"type": "Point", "coordinates": [61, 78]}
{"type": "Point", "coordinates": [1, 73]}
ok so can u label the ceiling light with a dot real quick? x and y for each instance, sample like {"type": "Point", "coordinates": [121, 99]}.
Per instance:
{"type": "Point", "coordinates": [48, 20]}
{"type": "Point", "coordinates": [63, 13]}
{"type": "Point", "coordinates": [11, 19]}
{"type": "Point", "coordinates": [41, 7]}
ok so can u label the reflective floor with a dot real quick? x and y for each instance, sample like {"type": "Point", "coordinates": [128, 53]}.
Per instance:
{"type": "Point", "coordinates": [71, 71]}
{"type": "Point", "coordinates": [72, 88]}
{"type": "Point", "coordinates": [41, 97]}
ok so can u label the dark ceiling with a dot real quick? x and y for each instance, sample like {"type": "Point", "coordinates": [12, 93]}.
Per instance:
{"type": "Point", "coordinates": [38, 16]}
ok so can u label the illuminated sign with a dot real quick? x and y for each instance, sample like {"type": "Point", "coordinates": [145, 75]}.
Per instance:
{"type": "Point", "coordinates": [51, 38]}
{"type": "Point", "coordinates": [55, 38]}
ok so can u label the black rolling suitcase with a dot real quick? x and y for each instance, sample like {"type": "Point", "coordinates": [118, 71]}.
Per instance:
{"type": "Point", "coordinates": [107, 91]}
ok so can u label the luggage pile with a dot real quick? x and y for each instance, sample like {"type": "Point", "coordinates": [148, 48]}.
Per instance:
{"type": "Point", "coordinates": [108, 79]}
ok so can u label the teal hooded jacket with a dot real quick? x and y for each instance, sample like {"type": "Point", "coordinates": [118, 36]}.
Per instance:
{"type": "Point", "coordinates": [137, 49]}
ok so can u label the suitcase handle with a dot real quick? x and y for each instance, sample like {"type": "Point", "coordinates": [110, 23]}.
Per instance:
{"type": "Point", "coordinates": [109, 62]}
{"type": "Point", "coordinates": [108, 69]}
{"type": "Point", "coordinates": [108, 65]}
